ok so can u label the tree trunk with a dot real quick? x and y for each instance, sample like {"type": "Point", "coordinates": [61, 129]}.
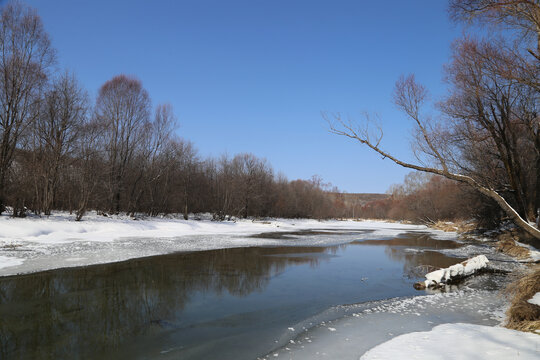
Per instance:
{"type": "Point", "coordinates": [2, 194]}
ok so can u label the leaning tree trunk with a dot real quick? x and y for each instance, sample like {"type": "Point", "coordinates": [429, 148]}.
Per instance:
{"type": "Point", "coordinates": [511, 212]}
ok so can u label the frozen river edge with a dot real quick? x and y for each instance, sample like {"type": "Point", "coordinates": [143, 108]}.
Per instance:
{"type": "Point", "coordinates": [45, 243]}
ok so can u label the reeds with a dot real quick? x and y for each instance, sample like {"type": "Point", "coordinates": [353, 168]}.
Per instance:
{"type": "Point", "coordinates": [522, 315]}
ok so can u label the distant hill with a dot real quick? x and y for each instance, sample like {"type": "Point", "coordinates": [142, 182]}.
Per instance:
{"type": "Point", "coordinates": [351, 199]}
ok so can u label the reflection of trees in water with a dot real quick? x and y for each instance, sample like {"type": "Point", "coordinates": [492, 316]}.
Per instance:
{"type": "Point", "coordinates": [70, 313]}
{"type": "Point", "coordinates": [414, 240]}
{"type": "Point", "coordinates": [417, 263]}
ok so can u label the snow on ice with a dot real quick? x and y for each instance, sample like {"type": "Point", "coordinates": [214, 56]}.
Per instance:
{"type": "Point", "coordinates": [361, 327]}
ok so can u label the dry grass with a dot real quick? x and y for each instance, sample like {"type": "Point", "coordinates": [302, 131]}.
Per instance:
{"type": "Point", "coordinates": [444, 226]}
{"type": "Point", "coordinates": [522, 315]}
{"type": "Point", "coordinates": [383, 220]}
{"type": "Point", "coordinates": [507, 245]}
{"type": "Point", "coordinates": [459, 226]}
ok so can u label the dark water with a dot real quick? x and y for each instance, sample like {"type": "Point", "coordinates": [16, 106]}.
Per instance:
{"type": "Point", "coordinates": [226, 304]}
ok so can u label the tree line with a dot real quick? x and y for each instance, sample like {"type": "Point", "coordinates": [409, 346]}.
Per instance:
{"type": "Point", "coordinates": [425, 198]}
{"type": "Point", "coordinates": [60, 151]}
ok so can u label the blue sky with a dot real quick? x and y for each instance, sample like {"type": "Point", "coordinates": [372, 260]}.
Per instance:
{"type": "Point", "coordinates": [254, 76]}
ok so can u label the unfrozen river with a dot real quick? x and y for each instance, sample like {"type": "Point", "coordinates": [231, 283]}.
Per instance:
{"type": "Point", "coordinates": [240, 303]}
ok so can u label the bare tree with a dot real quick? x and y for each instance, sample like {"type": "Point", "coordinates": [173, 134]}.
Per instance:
{"type": "Point", "coordinates": [154, 165]}
{"type": "Point", "coordinates": [522, 15]}
{"type": "Point", "coordinates": [186, 163]}
{"type": "Point", "coordinates": [88, 166]}
{"type": "Point", "coordinates": [493, 114]}
{"type": "Point", "coordinates": [430, 139]}
{"type": "Point", "coordinates": [252, 177]}
{"type": "Point", "coordinates": [63, 113]}
{"type": "Point", "coordinates": [123, 109]}
{"type": "Point", "coordinates": [26, 55]}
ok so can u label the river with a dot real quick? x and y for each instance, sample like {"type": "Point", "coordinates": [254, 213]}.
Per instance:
{"type": "Point", "coordinates": [237, 303]}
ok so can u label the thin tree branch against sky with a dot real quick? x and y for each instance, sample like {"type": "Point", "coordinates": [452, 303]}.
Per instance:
{"type": "Point", "coordinates": [253, 76]}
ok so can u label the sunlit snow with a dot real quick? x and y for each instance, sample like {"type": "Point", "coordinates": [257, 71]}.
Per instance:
{"type": "Point", "coordinates": [460, 341]}
{"type": "Point", "coordinates": [457, 270]}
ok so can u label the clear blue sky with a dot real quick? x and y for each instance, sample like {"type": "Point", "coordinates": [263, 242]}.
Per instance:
{"type": "Point", "coordinates": [254, 76]}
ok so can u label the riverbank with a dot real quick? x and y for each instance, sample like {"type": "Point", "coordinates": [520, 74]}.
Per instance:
{"type": "Point", "coordinates": [517, 335]}
{"type": "Point", "coordinates": [521, 314]}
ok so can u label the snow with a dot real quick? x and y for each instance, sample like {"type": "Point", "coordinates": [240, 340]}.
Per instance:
{"type": "Point", "coordinates": [41, 243]}
{"type": "Point", "coordinates": [62, 228]}
{"type": "Point", "coordinates": [475, 342]}
{"type": "Point", "coordinates": [6, 261]}
{"type": "Point", "coordinates": [360, 327]}
{"type": "Point", "coordinates": [466, 268]}
{"type": "Point", "coordinates": [535, 300]}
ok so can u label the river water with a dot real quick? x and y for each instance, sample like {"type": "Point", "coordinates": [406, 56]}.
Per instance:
{"type": "Point", "coordinates": [239, 303]}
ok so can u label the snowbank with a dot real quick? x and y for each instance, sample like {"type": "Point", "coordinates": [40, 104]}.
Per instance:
{"type": "Point", "coordinates": [463, 269]}
{"type": "Point", "coordinates": [62, 227]}
{"type": "Point", "coordinates": [460, 341]}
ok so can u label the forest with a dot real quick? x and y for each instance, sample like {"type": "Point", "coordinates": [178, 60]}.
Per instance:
{"type": "Point", "coordinates": [61, 151]}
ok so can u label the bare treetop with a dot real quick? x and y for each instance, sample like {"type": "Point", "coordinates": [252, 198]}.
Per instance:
{"type": "Point", "coordinates": [523, 15]}
{"type": "Point", "coordinates": [26, 56]}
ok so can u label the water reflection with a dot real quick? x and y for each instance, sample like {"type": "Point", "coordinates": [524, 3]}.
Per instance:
{"type": "Point", "coordinates": [416, 252]}
{"type": "Point", "coordinates": [418, 263]}
{"type": "Point", "coordinates": [414, 240]}
{"type": "Point", "coordinates": [296, 234]}
{"type": "Point", "coordinates": [88, 310]}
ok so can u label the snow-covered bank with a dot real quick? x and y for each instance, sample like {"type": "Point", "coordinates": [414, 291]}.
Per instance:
{"type": "Point", "coordinates": [460, 341]}
{"type": "Point", "coordinates": [34, 244]}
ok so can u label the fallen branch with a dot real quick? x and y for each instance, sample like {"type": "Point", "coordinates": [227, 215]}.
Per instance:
{"type": "Point", "coordinates": [440, 277]}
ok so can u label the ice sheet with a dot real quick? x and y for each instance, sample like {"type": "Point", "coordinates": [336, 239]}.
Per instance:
{"type": "Point", "coordinates": [347, 332]}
